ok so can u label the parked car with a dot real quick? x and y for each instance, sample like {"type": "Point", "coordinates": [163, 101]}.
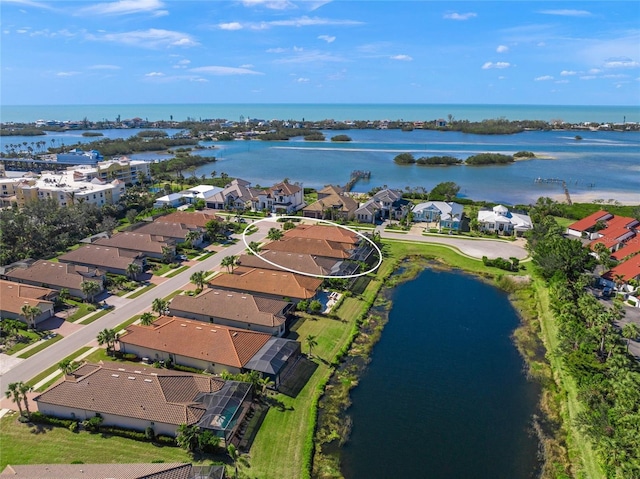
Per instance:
{"type": "Point", "coordinates": [182, 257]}
{"type": "Point", "coordinates": [606, 292]}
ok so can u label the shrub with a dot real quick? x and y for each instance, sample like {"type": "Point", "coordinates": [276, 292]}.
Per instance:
{"type": "Point", "coordinates": [91, 308]}
{"type": "Point", "coordinates": [39, 418]}
{"type": "Point", "coordinates": [149, 433]}
{"type": "Point", "coordinates": [74, 426]}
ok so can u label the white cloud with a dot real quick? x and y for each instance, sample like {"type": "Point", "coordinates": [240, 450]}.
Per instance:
{"type": "Point", "coordinates": [230, 26]}
{"type": "Point", "coordinates": [562, 81]}
{"type": "Point", "coordinates": [588, 77]}
{"type": "Point", "coordinates": [302, 80]}
{"type": "Point", "coordinates": [23, 30]}
{"type": "Point", "coordinates": [327, 38]}
{"type": "Point", "coordinates": [567, 13]}
{"type": "Point", "coordinates": [502, 49]}
{"type": "Point", "coordinates": [104, 67]}
{"type": "Point", "coordinates": [67, 74]}
{"type": "Point", "coordinates": [459, 16]}
{"type": "Point", "coordinates": [225, 71]}
{"type": "Point", "coordinates": [622, 62]}
{"type": "Point", "coordinates": [404, 58]}
{"type": "Point", "coordinates": [270, 4]}
{"type": "Point", "coordinates": [544, 78]}
{"type": "Point", "coordinates": [594, 71]}
{"type": "Point", "coordinates": [247, 65]}
{"type": "Point", "coordinates": [276, 50]}
{"type": "Point", "coordinates": [154, 74]}
{"type": "Point", "coordinates": [298, 49]}
{"type": "Point", "coordinates": [30, 3]}
{"type": "Point", "coordinates": [303, 21]}
{"type": "Point", "coordinates": [498, 65]}
{"type": "Point", "coordinates": [125, 7]}
{"type": "Point", "coordinates": [311, 57]}
{"type": "Point", "coordinates": [151, 38]}
{"type": "Point", "coordinates": [566, 73]}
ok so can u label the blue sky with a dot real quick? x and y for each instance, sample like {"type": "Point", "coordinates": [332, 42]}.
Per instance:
{"type": "Point", "coordinates": [286, 51]}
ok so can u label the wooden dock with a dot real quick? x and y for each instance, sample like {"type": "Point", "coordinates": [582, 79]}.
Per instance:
{"type": "Point", "coordinates": [559, 182]}
{"type": "Point", "coordinates": [356, 176]}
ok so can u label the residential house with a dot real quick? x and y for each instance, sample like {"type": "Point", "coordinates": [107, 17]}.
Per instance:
{"type": "Point", "coordinates": [191, 218]}
{"type": "Point", "coordinates": [623, 272]}
{"type": "Point", "coordinates": [111, 260]}
{"type": "Point", "coordinates": [446, 214]}
{"type": "Point", "coordinates": [618, 230]}
{"type": "Point", "coordinates": [385, 204]}
{"type": "Point", "coordinates": [501, 221]}
{"type": "Point", "coordinates": [177, 232]}
{"type": "Point", "coordinates": [307, 264]}
{"type": "Point", "coordinates": [172, 200]}
{"type": "Point", "coordinates": [170, 470]}
{"type": "Point", "coordinates": [233, 309]}
{"type": "Point", "coordinates": [310, 246]}
{"type": "Point", "coordinates": [149, 245]}
{"type": "Point", "coordinates": [9, 188]}
{"type": "Point", "coordinates": [332, 204]}
{"type": "Point", "coordinates": [326, 232]}
{"type": "Point", "coordinates": [237, 195]}
{"type": "Point", "coordinates": [586, 227]}
{"type": "Point", "coordinates": [134, 397]}
{"type": "Point", "coordinates": [49, 274]}
{"type": "Point", "coordinates": [16, 295]}
{"type": "Point", "coordinates": [200, 192]}
{"type": "Point", "coordinates": [264, 282]}
{"type": "Point", "coordinates": [208, 347]}
{"type": "Point", "coordinates": [283, 198]}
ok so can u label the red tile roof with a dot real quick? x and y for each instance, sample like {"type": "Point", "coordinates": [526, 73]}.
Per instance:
{"type": "Point", "coordinates": [590, 221]}
{"type": "Point", "coordinates": [629, 270]}
{"type": "Point", "coordinates": [632, 246]}
{"type": "Point", "coordinates": [194, 339]}
{"type": "Point", "coordinates": [269, 282]}
{"type": "Point", "coordinates": [323, 232]}
{"type": "Point", "coordinates": [619, 228]}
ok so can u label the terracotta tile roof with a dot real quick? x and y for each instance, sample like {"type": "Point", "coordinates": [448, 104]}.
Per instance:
{"type": "Point", "coordinates": [263, 281]}
{"type": "Point", "coordinates": [100, 471]}
{"type": "Point", "coordinates": [332, 198]}
{"type": "Point", "coordinates": [194, 339]}
{"type": "Point", "coordinates": [629, 270]}
{"type": "Point", "coordinates": [619, 228]}
{"type": "Point", "coordinates": [16, 295]}
{"type": "Point", "coordinates": [166, 229]}
{"type": "Point", "coordinates": [630, 247]}
{"type": "Point", "coordinates": [233, 306]}
{"type": "Point", "coordinates": [284, 188]}
{"type": "Point", "coordinates": [142, 393]}
{"type": "Point", "coordinates": [317, 247]}
{"type": "Point", "coordinates": [325, 232]}
{"type": "Point", "coordinates": [195, 218]}
{"type": "Point", "coordinates": [100, 256]}
{"type": "Point", "coordinates": [145, 243]}
{"type": "Point", "coordinates": [304, 263]}
{"type": "Point", "coordinates": [58, 275]}
{"type": "Point", "coordinates": [590, 221]}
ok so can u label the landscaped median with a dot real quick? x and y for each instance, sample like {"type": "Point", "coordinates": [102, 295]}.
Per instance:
{"type": "Point", "coordinates": [42, 344]}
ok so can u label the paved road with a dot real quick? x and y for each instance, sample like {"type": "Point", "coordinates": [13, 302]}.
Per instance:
{"type": "Point", "coordinates": [126, 308]}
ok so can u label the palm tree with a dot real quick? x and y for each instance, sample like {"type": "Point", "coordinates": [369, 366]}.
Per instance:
{"type": "Point", "coordinates": [67, 366]}
{"type": "Point", "coordinates": [109, 338]}
{"type": "Point", "coordinates": [13, 393]}
{"type": "Point", "coordinates": [604, 255]}
{"type": "Point", "coordinates": [133, 270]}
{"type": "Point", "coordinates": [254, 247]}
{"type": "Point", "coordinates": [311, 343]}
{"type": "Point", "coordinates": [630, 331]}
{"type": "Point", "coordinates": [159, 306]}
{"type": "Point", "coordinates": [90, 289]}
{"type": "Point", "coordinates": [234, 455]}
{"type": "Point", "coordinates": [187, 436]}
{"type": "Point", "coordinates": [30, 313]}
{"type": "Point", "coordinates": [146, 319]}
{"type": "Point", "coordinates": [64, 295]}
{"type": "Point", "coordinates": [229, 262]}
{"type": "Point", "coordinates": [198, 278]}
{"type": "Point", "coordinates": [191, 237]}
{"type": "Point", "coordinates": [275, 234]}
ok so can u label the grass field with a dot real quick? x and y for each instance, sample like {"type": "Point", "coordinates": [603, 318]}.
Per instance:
{"type": "Point", "coordinates": [43, 344]}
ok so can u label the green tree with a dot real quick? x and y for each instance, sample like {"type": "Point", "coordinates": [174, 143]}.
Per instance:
{"type": "Point", "coordinates": [630, 332]}
{"type": "Point", "coordinates": [566, 257]}
{"type": "Point", "coordinates": [198, 278]}
{"type": "Point", "coordinates": [63, 295]}
{"type": "Point", "coordinates": [146, 319]}
{"type": "Point", "coordinates": [67, 366]}
{"type": "Point", "coordinates": [191, 237]}
{"type": "Point", "coordinates": [275, 234]}
{"type": "Point", "coordinates": [90, 289]}
{"type": "Point", "coordinates": [109, 338]}
{"type": "Point", "coordinates": [311, 343]}
{"type": "Point", "coordinates": [30, 313]}
{"type": "Point", "coordinates": [254, 247]}
{"type": "Point", "coordinates": [168, 254]}
{"type": "Point", "coordinates": [159, 306]}
{"type": "Point", "coordinates": [234, 455]}
{"type": "Point", "coordinates": [404, 159]}
{"type": "Point", "coordinates": [315, 306]}
{"type": "Point", "coordinates": [447, 190]}
{"type": "Point", "coordinates": [13, 392]}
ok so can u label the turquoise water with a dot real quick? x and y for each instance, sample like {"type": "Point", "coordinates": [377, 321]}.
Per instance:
{"type": "Point", "coordinates": [445, 395]}
{"type": "Point", "coordinates": [313, 112]}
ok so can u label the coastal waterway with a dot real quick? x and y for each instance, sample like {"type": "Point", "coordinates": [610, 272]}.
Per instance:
{"type": "Point", "coordinates": [445, 394]}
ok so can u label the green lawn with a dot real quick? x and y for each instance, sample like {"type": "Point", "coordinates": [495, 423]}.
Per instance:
{"type": "Point", "coordinates": [81, 312]}
{"type": "Point", "coordinates": [141, 291]}
{"type": "Point", "coordinates": [93, 317]}
{"type": "Point", "coordinates": [177, 271]}
{"type": "Point", "coordinates": [29, 444]}
{"type": "Point", "coordinates": [29, 336]}
{"type": "Point", "coordinates": [40, 347]}
{"type": "Point", "coordinates": [36, 379]}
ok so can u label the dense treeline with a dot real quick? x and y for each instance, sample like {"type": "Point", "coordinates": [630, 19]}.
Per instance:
{"type": "Point", "coordinates": [27, 131]}
{"type": "Point", "coordinates": [474, 160]}
{"type": "Point", "coordinates": [135, 144]}
{"type": "Point", "coordinates": [43, 227]}
{"type": "Point", "coordinates": [498, 126]}
{"type": "Point", "coordinates": [592, 350]}
{"type": "Point", "coordinates": [341, 138]}
{"type": "Point", "coordinates": [489, 159]}
{"type": "Point", "coordinates": [179, 164]}
{"type": "Point", "coordinates": [438, 160]}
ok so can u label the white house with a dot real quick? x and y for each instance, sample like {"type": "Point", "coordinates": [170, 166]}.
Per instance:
{"type": "Point", "coordinates": [500, 220]}
{"type": "Point", "coordinates": [282, 198]}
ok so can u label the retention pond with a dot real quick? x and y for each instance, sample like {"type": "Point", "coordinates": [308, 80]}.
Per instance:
{"type": "Point", "coordinates": [445, 394]}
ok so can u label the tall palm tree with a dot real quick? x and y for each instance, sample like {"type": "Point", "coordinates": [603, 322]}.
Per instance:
{"type": "Point", "coordinates": [229, 262]}
{"type": "Point", "coordinates": [90, 289]}
{"type": "Point", "coordinates": [30, 313]}
{"type": "Point", "coordinates": [109, 338]}
{"type": "Point", "coordinates": [146, 319]}
{"type": "Point", "coordinates": [67, 366]}
{"type": "Point", "coordinates": [191, 237]}
{"type": "Point", "coordinates": [198, 278]}
{"type": "Point", "coordinates": [13, 393]}
{"type": "Point", "coordinates": [630, 331]}
{"type": "Point", "coordinates": [159, 306]}
{"type": "Point", "coordinates": [234, 455]}
{"type": "Point", "coordinates": [133, 270]}
{"type": "Point", "coordinates": [311, 343]}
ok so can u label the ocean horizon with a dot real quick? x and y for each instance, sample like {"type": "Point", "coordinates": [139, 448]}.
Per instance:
{"type": "Point", "coordinates": [317, 112]}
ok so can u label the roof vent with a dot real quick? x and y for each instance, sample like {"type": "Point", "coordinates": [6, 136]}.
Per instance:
{"type": "Point", "coordinates": [139, 372]}
{"type": "Point", "coordinates": [234, 334]}
{"type": "Point", "coordinates": [115, 375]}
{"type": "Point", "coordinates": [121, 369]}
{"type": "Point", "coordinates": [183, 325]}
{"type": "Point", "coordinates": [131, 377]}
{"type": "Point", "coordinates": [198, 327]}
{"type": "Point", "coordinates": [148, 380]}
{"type": "Point", "coordinates": [154, 374]}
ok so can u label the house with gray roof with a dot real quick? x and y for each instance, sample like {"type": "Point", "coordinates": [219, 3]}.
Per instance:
{"type": "Point", "coordinates": [385, 204]}
{"type": "Point", "coordinates": [111, 260]}
{"type": "Point", "coordinates": [282, 198]}
{"type": "Point", "coordinates": [237, 195]}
